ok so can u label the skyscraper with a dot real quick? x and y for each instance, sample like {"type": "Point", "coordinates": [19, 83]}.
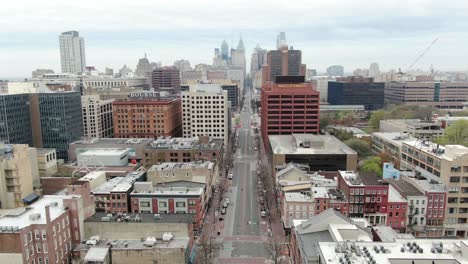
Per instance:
{"type": "Point", "coordinates": [374, 70]}
{"type": "Point", "coordinates": [72, 52]}
{"type": "Point", "coordinates": [42, 120]}
{"type": "Point", "coordinates": [281, 40]}
{"type": "Point", "coordinates": [166, 79]}
{"type": "Point", "coordinates": [283, 62]}
{"type": "Point", "coordinates": [225, 51]}
{"type": "Point", "coordinates": [238, 56]}
{"type": "Point", "coordinates": [335, 70]}
{"type": "Point", "coordinates": [143, 67]}
{"type": "Point", "coordinates": [259, 58]}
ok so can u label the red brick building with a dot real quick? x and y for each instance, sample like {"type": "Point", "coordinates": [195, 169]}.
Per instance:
{"type": "Point", "coordinates": [367, 196]}
{"type": "Point", "coordinates": [147, 117]}
{"type": "Point", "coordinates": [188, 199]}
{"type": "Point", "coordinates": [44, 233]}
{"type": "Point", "coordinates": [289, 106]}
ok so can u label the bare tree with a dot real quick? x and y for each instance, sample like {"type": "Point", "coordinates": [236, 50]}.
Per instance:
{"type": "Point", "coordinates": [273, 249]}
{"type": "Point", "coordinates": [204, 251]}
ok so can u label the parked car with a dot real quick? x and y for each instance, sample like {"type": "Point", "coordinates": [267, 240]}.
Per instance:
{"type": "Point", "coordinates": [230, 176]}
{"type": "Point", "coordinates": [263, 212]}
{"type": "Point", "coordinates": [226, 200]}
{"type": "Point", "coordinates": [225, 204]}
{"type": "Point", "coordinates": [223, 211]}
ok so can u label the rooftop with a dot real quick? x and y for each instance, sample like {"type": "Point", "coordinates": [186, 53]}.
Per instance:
{"type": "Point", "coordinates": [44, 150]}
{"type": "Point", "coordinates": [424, 251]}
{"type": "Point", "coordinates": [297, 197]}
{"type": "Point", "coordinates": [361, 178]}
{"type": "Point", "coordinates": [113, 141]}
{"type": "Point", "coordinates": [448, 152]}
{"type": "Point", "coordinates": [394, 196]}
{"type": "Point", "coordinates": [119, 184]}
{"type": "Point", "coordinates": [104, 152]}
{"type": "Point", "coordinates": [137, 244]}
{"type": "Point", "coordinates": [13, 220]}
{"type": "Point", "coordinates": [146, 188]}
{"type": "Point", "coordinates": [169, 166]}
{"type": "Point", "coordinates": [308, 144]}
{"type": "Point", "coordinates": [143, 218]}
{"type": "Point", "coordinates": [405, 188]}
{"type": "Point", "coordinates": [186, 143]}
{"type": "Point", "coordinates": [395, 138]}
{"type": "Point", "coordinates": [92, 176]}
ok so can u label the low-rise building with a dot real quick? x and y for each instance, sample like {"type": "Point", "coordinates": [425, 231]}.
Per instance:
{"type": "Point", "coordinates": [104, 157]}
{"type": "Point", "coordinates": [413, 127]}
{"type": "Point", "coordinates": [183, 150]}
{"type": "Point", "coordinates": [47, 162]}
{"type": "Point", "coordinates": [398, 251]}
{"type": "Point", "coordinates": [114, 194]}
{"type": "Point", "coordinates": [329, 226]}
{"type": "Point", "coordinates": [171, 237]}
{"type": "Point", "coordinates": [42, 232]}
{"type": "Point", "coordinates": [199, 172]}
{"type": "Point", "coordinates": [320, 152]}
{"type": "Point", "coordinates": [446, 121]}
{"type": "Point", "coordinates": [390, 143]}
{"type": "Point", "coordinates": [188, 199]}
{"type": "Point", "coordinates": [136, 146]}
{"type": "Point", "coordinates": [367, 196]}
{"type": "Point", "coordinates": [448, 165]}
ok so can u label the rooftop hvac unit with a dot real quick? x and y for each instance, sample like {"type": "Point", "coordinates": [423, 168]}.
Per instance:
{"type": "Point", "coordinates": [53, 204]}
{"type": "Point", "coordinates": [167, 236]}
{"type": "Point", "coordinates": [149, 242]}
{"type": "Point", "coordinates": [34, 217]}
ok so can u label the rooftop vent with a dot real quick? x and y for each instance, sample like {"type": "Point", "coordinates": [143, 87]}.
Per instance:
{"type": "Point", "coordinates": [34, 217]}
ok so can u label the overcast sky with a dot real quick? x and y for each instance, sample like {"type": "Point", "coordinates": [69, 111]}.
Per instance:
{"type": "Point", "coordinates": [352, 33]}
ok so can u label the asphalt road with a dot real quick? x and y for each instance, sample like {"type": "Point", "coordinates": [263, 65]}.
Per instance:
{"type": "Point", "coordinates": [244, 229]}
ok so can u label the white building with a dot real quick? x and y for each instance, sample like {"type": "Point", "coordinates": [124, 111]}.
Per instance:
{"type": "Point", "coordinates": [97, 117]}
{"type": "Point", "coordinates": [72, 52]}
{"type": "Point", "coordinates": [205, 111]}
{"type": "Point", "coordinates": [104, 157]}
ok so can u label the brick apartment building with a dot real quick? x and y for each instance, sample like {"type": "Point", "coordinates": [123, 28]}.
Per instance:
{"type": "Point", "coordinates": [185, 199]}
{"type": "Point", "coordinates": [45, 232]}
{"type": "Point", "coordinates": [367, 196]}
{"type": "Point", "coordinates": [289, 106]}
{"type": "Point", "coordinates": [147, 117]}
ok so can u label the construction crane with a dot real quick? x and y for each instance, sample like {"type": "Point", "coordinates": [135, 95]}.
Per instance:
{"type": "Point", "coordinates": [421, 55]}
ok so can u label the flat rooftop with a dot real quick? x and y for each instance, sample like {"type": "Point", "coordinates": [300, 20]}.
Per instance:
{"type": "Point", "coordinates": [395, 138]}
{"type": "Point", "coordinates": [137, 244]}
{"type": "Point", "coordinates": [186, 143]}
{"type": "Point", "coordinates": [297, 197]}
{"type": "Point", "coordinates": [144, 218]}
{"type": "Point", "coordinates": [119, 184]}
{"type": "Point", "coordinates": [169, 166]}
{"type": "Point", "coordinates": [13, 220]}
{"type": "Point", "coordinates": [361, 178]}
{"type": "Point", "coordinates": [405, 188]}
{"type": "Point", "coordinates": [114, 141]}
{"type": "Point", "coordinates": [146, 189]}
{"type": "Point", "coordinates": [44, 150]}
{"type": "Point", "coordinates": [104, 152]}
{"type": "Point", "coordinates": [308, 144]}
{"type": "Point", "coordinates": [452, 252]}
{"type": "Point", "coordinates": [449, 152]}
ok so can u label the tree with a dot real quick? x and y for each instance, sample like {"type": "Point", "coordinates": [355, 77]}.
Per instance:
{"type": "Point", "coordinates": [373, 164]}
{"type": "Point", "coordinates": [341, 134]}
{"type": "Point", "coordinates": [325, 120]}
{"type": "Point", "coordinates": [456, 134]}
{"type": "Point", "coordinates": [362, 148]}
{"type": "Point", "coordinates": [273, 249]}
{"type": "Point", "coordinates": [375, 118]}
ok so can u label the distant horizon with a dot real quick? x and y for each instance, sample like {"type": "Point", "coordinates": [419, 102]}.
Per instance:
{"type": "Point", "coordinates": [327, 32]}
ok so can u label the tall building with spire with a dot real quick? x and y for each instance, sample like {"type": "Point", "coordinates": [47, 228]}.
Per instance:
{"type": "Point", "coordinates": [143, 67]}
{"type": "Point", "coordinates": [72, 52]}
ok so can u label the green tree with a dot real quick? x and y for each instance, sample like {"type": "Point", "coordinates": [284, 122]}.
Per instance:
{"type": "Point", "coordinates": [375, 118]}
{"type": "Point", "coordinates": [373, 164]}
{"type": "Point", "coordinates": [342, 135]}
{"type": "Point", "coordinates": [324, 121]}
{"type": "Point", "coordinates": [362, 148]}
{"type": "Point", "coordinates": [460, 113]}
{"type": "Point", "coordinates": [456, 134]}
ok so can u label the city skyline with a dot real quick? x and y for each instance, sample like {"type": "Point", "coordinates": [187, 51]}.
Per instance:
{"type": "Point", "coordinates": [326, 32]}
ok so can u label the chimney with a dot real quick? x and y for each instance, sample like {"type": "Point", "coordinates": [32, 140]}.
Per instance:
{"type": "Point", "coordinates": [47, 213]}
